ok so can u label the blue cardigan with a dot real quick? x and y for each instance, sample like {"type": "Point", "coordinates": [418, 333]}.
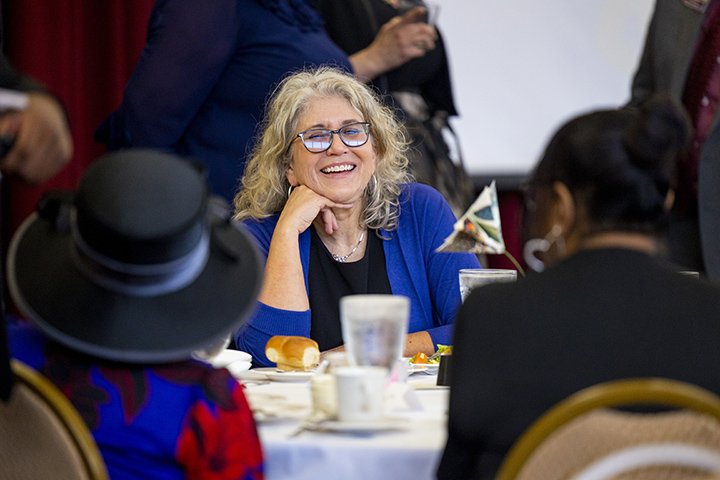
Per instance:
{"type": "Point", "coordinates": [414, 269]}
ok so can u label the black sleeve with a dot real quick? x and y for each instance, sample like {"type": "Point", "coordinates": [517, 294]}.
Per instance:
{"type": "Point", "coordinates": [353, 24]}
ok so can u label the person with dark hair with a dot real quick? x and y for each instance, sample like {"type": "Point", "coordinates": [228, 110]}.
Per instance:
{"type": "Point", "coordinates": [122, 281]}
{"type": "Point", "coordinates": [680, 57]}
{"type": "Point", "coordinates": [604, 308]}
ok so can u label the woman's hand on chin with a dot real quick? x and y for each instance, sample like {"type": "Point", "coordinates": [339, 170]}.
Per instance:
{"type": "Point", "coordinates": [303, 207]}
{"type": "Point", "coordinates": [329, 221]}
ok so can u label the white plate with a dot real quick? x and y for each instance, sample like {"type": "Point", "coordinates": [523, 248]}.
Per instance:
{"type": "Point", "coordinates": [272, 373]}
{"type": "Point", "coordinates": [227, 356]}
{"type": "Point", "coordinates": [429, 368]}
{"type": "Point", "coordinates": [362, 426]}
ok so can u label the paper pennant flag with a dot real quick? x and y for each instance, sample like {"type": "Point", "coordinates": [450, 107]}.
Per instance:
{"type": "Point", "coordinates": [478, 230]}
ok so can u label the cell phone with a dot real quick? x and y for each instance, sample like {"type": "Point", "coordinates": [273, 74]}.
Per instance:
{"type": "Point", "coordinates": [6, 144]}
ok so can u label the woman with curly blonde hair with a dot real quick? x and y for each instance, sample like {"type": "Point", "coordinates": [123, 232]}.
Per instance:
{"type": "Point", "coordinates": [331, 155]}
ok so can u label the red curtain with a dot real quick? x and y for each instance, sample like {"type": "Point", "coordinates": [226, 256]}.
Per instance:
{"type": "Point", "coordinates": [84, 52]}
{"type": "Point", "coordinates": [511, 207]}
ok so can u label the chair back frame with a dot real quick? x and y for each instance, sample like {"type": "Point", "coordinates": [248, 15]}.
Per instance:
{"type": "Point", "coordinates": [625, 392]}
{"type": "Point", "coordinates": [66, 414]}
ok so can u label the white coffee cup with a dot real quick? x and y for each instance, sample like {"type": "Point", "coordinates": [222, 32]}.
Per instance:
{"type": "Point", "coordinates": [374, 328]}
{"type": "Point", "coordinates": [360, 393]}
{"type": "Point", "coordinates": [471, 278]}
{"type": "Point", "coordinates": [336, 360]}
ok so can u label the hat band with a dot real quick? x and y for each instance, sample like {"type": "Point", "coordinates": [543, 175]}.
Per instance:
{"type": "Point", "coordinates": [138, 280]}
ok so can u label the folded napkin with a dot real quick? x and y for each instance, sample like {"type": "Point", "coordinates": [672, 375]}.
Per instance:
{"type": "Point", "coordinates": [478, 230]}
{"type": "Point", "coordinates": [235, 361]}
{"type": "Point", "coordinates": [229, 356]}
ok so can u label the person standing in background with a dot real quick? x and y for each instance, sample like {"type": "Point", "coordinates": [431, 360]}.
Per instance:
{"type": "Point", "coordinates": [36, 144]}
{"type": "Point", "coordinates": [682, 56]}
{"type": "Point", "coordinates": [201, 83]}
{"type": "Point", "coordinates": [420, 90]}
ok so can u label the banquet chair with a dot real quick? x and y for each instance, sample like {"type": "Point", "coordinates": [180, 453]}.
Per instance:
{"type": "Point", "coordinates": [585, 436]}
{"type": "Point", "coordinates": [42, 435]}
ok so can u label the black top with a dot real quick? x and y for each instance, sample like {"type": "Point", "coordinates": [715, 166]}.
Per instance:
{"type": "Point", "coordinates": [353, 24]}
{"type": "Point", "coordinates": [330, 280]}
{"type": "Point", "coordinates": [599, 315]}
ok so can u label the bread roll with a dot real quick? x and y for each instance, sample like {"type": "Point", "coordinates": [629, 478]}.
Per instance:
{"type": "Point", "coordinates": [293, 353]}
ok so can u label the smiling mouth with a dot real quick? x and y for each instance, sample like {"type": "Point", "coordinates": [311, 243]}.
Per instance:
{"type": "Point", "coordinates": [338, 168]}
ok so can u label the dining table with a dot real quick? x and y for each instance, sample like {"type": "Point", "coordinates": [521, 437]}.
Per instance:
{"type": "Point", "coordinates": [405, 444]}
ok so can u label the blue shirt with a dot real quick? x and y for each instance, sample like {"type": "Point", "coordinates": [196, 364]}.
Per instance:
{"type": "Point", "coordinates": [167, 421]}
{"type": "Point", "coordinates": [415, 269]}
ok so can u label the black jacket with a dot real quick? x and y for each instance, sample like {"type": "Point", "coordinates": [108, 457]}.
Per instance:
{"type": "Point", "coordinates": [597, 316]}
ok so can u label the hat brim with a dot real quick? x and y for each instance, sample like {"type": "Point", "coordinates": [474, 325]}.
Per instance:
{"type": "Point", "coordinates": [52, 292]}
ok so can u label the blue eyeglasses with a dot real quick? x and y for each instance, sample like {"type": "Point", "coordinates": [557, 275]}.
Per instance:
{"type": "Point", "coordinates": [318, 140]}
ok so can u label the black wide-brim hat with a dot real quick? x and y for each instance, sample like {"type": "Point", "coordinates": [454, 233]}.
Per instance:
{"type": "Point", "coordinates": [138, 266]}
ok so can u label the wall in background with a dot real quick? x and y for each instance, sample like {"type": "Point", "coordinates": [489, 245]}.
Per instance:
{"type": "Point", "coordinates": [520, 68]}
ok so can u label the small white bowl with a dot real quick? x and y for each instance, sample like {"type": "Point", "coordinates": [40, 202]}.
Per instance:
{"type": "Point", "coordinates": [236, 368]}
{"type": "Point", "coordinates": [227, 357]}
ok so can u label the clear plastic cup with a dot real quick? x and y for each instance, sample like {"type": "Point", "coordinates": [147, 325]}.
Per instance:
{"type": "Point", "coordinates": [374, 328]}
{"type": "Point", "coordinates": [471, 278]}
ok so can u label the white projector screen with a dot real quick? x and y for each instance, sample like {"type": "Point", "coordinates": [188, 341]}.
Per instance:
{"type": "Point", "coordinates": [522, 67]}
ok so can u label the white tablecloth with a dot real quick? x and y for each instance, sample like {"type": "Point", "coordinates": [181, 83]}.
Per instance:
{"type": "Point", "coordinates": [411, 452]}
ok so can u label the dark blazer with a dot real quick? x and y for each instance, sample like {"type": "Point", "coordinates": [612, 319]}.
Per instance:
{"type": "Point", "coordinates": [669, 47]}
{"type": "Point", "coordinates": [203, 95]}
{"type": "Point", "coordinates": [597, 316]}
{"type": "Point", "coordinates": [353, 24]}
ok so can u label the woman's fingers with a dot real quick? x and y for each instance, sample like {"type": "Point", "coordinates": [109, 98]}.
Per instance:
{"type": "Point", "coordinates": [304, 205]}
{"type": "Point", "coordinates": [329, 220]}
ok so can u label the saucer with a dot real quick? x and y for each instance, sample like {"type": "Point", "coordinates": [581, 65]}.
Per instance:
{"type": "Point", "coordinates": [362, 426]}
{"type": "Point", "coordinates": [272, 373]}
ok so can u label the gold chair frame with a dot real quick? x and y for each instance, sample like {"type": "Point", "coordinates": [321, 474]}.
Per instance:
{"type": "Point", "coordinates": [54, 402]}
{"type": "Point", "coordinates": [626, 392]}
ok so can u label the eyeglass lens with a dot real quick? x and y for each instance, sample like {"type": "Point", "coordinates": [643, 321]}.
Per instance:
{"type": "Point", "coordinates": [353, 135]}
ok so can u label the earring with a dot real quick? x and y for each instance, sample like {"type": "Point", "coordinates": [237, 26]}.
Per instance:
{"type": "Point", "coordinates": [290, 189]}
{"type": "Point", "coordinates": [534, 246]}
{"type": "Point", "coordinates": [530, 250]}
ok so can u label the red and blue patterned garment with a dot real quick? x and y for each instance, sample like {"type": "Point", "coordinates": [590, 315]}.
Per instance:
{"type": "Point", "coordinates": [171, 421]}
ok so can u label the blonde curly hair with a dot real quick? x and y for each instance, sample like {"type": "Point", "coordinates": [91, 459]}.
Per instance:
{"type": "Point", "coordinates": [264, 186]}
